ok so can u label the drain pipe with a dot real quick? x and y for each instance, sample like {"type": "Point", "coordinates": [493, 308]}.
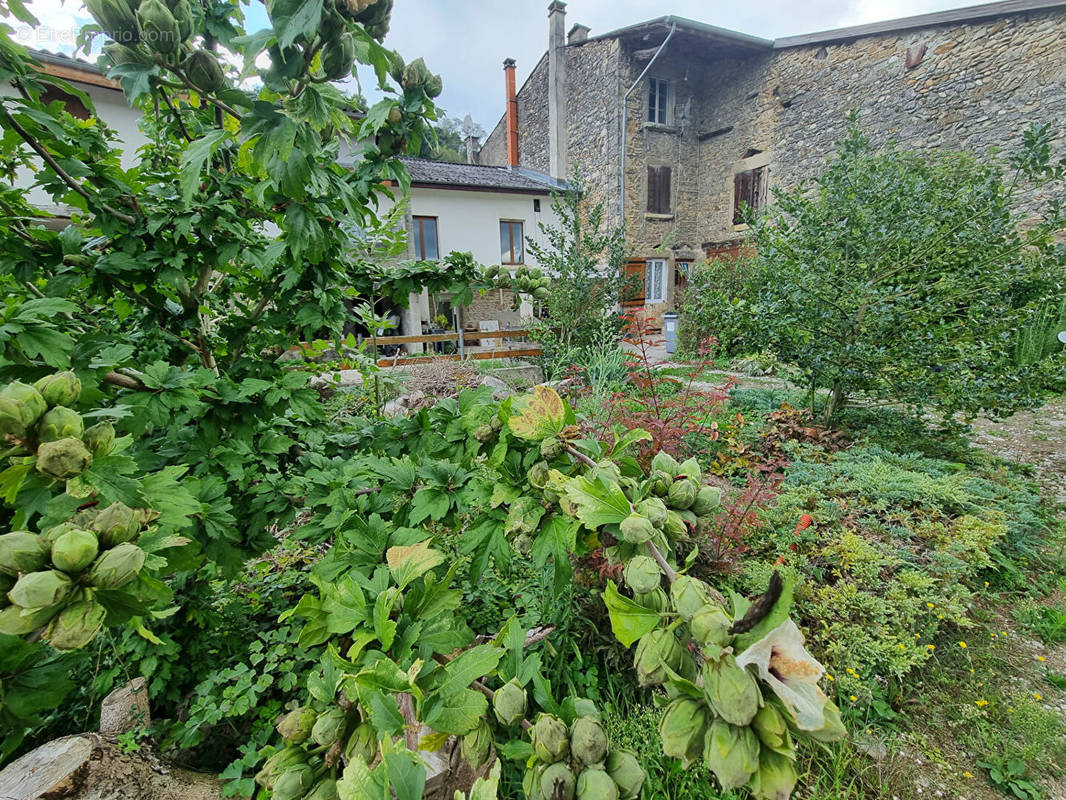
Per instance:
{"type": "Point", "coordinates": [625, 98]}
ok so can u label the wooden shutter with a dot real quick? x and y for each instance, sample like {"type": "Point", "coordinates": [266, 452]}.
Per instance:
{"type": "Point", "coordinates": [633, 291]}
{"type": "Point", "coordinates": [658, 190]}
{"type": "Point", "coordinates": [741, 195]}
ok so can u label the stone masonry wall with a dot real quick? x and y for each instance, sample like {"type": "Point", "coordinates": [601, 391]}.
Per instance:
{"type": "Point", "coordinates": [593, 113]}
{"type": "Point", "coordinates": [977, 87]}
{"type": "Point", "coordinates": [532, 125]}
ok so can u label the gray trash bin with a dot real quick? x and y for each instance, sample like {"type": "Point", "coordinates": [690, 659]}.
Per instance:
{"type": "Point", "coordinates": [670, 330]}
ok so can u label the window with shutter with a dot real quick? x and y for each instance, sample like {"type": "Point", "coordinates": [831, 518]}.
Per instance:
{"type": "Point", "coordinates": [749, 191]}
{"type": "Point", "coordinates": [633, 290]}
{"type": "Point", "coordinates": [659, 190]}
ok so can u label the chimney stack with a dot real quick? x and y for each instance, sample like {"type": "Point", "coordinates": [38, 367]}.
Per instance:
{"type": "Point", "coordinates": [578, 33]}
{"type": "Point", "coordinates": [557, 89]}
{"type": "Point", "coordinates": [472, 149]}
{"type": "Point", "coordinates": [512, 113]}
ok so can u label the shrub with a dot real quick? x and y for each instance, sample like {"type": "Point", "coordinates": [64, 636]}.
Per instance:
{"type": "Point", "coordinates": [721, 299]}
{"type": "Point", "coordinates": [906, 276]}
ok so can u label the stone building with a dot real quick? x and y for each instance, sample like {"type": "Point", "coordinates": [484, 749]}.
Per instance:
{"type": "Point", "coordinates": [676, 124]}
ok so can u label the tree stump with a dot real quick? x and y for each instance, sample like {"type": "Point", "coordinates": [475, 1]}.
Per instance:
{"type": "Point", "coordinates": [89, 767]}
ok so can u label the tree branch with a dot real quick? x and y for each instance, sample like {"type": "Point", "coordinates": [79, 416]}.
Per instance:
{"type": "Point", "coordinates": [40, 150]}
{"type": "Point", "coordinates": [125, 381]}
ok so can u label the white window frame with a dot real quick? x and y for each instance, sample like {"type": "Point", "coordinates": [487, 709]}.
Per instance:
{"type": "Point", "coordinates": [657, 87]}
{"type": "Point", "coordinates": [655, 278]}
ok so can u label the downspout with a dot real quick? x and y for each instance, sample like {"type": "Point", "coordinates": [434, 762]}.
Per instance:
{"type": "Point", "coordinates": [625, 98]}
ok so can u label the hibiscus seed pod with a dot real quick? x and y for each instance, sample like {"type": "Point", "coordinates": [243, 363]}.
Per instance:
{"type": "Point", "coordinates": [182, 13]}
{"type": "Point", "coordinates": [434, 86]}
{"type": "Point", "coordinates": [731, 753]}
{"type": "Point", "coordinates": [325, 789]}
{"type": "Point", "coordinates": [21, 406]}
{"type": "Point", "coordinates": [588, 742]}
{"type": "Point", "coordinates": [56, 531]}
{"type": "Point", "coordinates": [626, 773]}
{"type": "Point", "coordinates": [117, 19]}
{"type": "Point", "coordinates": [361, 743]}
{"type": "Point", "coordinates": [203, 71]}
{"type": "Point", "coordinates": [636, 529]}
{"type": "Point", "coordinates": [43, 589]}
{"type": "Point", "coordinates": [775, 778]}
{"type": "Point", "coordinates": [675, 526]}
{"type": "Point", "coordinates": [328, 727]}
{"type": "Point", "coordinates": [337, 57]}
{"type": "Point", "coordinates": [682, 728]}
{"type": "Point", "coordinates": [17, 621]}
{"type": "Point", "coordinates": [496, 423]}
{"type": "Point", "coordinates": [660, 483]}
{"type": "Point", "coordinates": [60, 422]}
{"type": "Point", "coordinates": [550, 740]}
{"type": "Point", "coordinates": [833, 730]}
{"type": "Point", "coordinates": [690, 469]}
{"type": "Point", "coordinates": [99, 438]}
{"type": "Point", "coordinates": [293, 783]}
{"type": "Point", "coordinates": [510, 703]}
{"type": "Point", "coordinates": [708, 499]}
{"type": "Point", "coordinates": [642, 574]}
{"type": "Point", "coordinates": [771, 727]}
{"type": "Point", "coordinates": [60, 389]}
{"type": "Point", "coordinates": [117, 567]}
{"type": "Point", "coordinates": [731, 690]}
{"type": "Point", "coordinates": [415, 75]}
{"type": "Point", "coordinates": [76, 625]}
{"type": "Point", "coordinates": [655, 600]}
{"type": "Point", "coordinates": [595, 784]}
{"type": "Point", "coordinates": [483, 433]}
{"type": "Point", "coordinates": [710, 625]}
{"type": "Point", "coordinates": [681, 494]}
{"type": "Point", "coordinates": [116, 524]}
{"type": "Point", "coordinates": [476, 746]}
{"type": "Point", "coordinates": [159, 29]}
{"type": "Point", "coordinates": [657, 650]}
{"type": "Point", "coordinates": [664, 462]}
{"type": "Point", "coordinates": [550, 448]}
{"type": "Point", "coordinates": [22, 551]}
{"type": "Point", "coordinates": [689, 595]}
{"type": "Point", "coordinates": [286, 758]}
{"type": "Point", "coordinates": [295, 726]}
{"type": "Point", "coordinates": [63, 459]}
{"type": "Point", "coordinates": [74, 551]}
{"type": "Point", "coordinates": [556, 782]}
{"type": "Point", "coordinates": [538, 475]}
{"type": "Point", "coordinates": [654, 509]}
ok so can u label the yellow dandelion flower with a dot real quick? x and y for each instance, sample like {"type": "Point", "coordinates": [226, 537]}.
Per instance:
{"type": "Point", "coordinates": [967, 774]}
{"type": "Point", "coordinates": [930, 647]}
{"type": "Point", "coordinates": [902, 646]}
{"type": "Point", "coordinates": [931, 605]}
{"type": "Point", "coordinates": [980, 703]}
{"type": "Point", "coordinates": [829, 677]}
{"type": "Point", "coordinates": [1041, 658]}
{"type": "Point", "coordinates": [853, 698]}
{"type": "Point", "coordinates": [940, 616]}
{"type": "Point", "coordinates": [1038, 696]}
{"type": "Point", "coordinates": [971, 670]}
{"type": "Point", "coordinates": [986, 583]}
{"type": "Point", "coordinates": [962, 644]}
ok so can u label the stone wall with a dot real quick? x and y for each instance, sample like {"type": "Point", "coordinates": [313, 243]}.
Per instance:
{"type": "Point", "coordinates": [593, 114]}
{"type": "Point", "coordinates": [977, 86]}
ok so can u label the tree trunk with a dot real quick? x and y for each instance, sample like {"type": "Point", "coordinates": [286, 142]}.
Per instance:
{"type": "Point", "coordinates": [89, 767]}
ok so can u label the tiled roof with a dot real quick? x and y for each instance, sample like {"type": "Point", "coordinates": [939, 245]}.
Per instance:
{"type": "Point", "coordinates": [474, 176]}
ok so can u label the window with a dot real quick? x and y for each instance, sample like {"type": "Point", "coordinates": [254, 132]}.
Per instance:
{"type": "Point", "coordinates": [426, 238]}
{"type": "Point", "coordinates": [658, 101]}
{"type": "Point", "coordinates": [71, 104]}
{"type": "Point", "coordinates": [749, 191]}
{"type": "Point", "coordinates": [655, 281]}
{"type": "Point", "coordinates": [659, 190]}
{"type": "Point", "coordinates": [512, 246]}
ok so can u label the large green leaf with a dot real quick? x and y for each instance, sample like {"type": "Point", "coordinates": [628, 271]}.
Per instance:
{"type": "Point", "coordinates": [629, 620]}
{"type": "Point", "coordinates": [599, 502]}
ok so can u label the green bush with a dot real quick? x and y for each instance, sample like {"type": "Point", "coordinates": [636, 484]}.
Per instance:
{"type": "Point", "coordinates": [721, 300]}
{"type": "Point", "coordinates": [905, 276]}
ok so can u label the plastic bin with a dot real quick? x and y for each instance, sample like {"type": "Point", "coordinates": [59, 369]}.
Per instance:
{"type": "Point", "coordinates": [670, 330]}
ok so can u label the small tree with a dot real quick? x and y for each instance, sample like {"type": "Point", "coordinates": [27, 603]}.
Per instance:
{"type": "Point", "coordinates": [585, 262]}
{"type": "Point", "coordinates": [908, 276]}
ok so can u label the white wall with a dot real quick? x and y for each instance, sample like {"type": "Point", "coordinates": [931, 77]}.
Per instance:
{"type": "Point", "coordinates": [112, 109]}
{"type": "Point", "coordinates": [469, 221]}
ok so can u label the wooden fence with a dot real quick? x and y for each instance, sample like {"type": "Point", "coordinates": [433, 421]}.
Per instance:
{"type": "Point", "coordinates": [462, 339]}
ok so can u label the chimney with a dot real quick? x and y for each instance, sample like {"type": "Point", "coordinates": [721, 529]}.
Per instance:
{"type": "Point", "coordinates": [472, 148]}
{"type": "Point", "coordinates": [512, 113]}
{"type": "Point", "coordinates": [557, 89]}
{"type": "Point", "coordinates": [578, 33]}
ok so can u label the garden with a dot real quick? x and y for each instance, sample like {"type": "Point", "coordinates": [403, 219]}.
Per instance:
{"type": "Point", "coordinates": [816, 554]}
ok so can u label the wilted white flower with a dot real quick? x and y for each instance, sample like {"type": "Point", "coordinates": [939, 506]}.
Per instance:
{"type": "Point", "coordinates": [793, 673]}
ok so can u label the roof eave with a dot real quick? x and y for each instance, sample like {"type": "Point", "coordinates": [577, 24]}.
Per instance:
{"type": "Point", "coordinates": [967, 14]}
{"type": "Point", "coordinates": [688, 26]}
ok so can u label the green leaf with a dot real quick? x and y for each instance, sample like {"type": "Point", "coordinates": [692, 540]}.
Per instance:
{"type": "Point", "coordinates": [629, 620]}
{"type": "Point", "coordinates": [384, 712]}
{"type": "Point", "coordinates": [295, 18]}
{"type": "Point", "coordinates": [539, 416]}
{"type": "Point", "coordinates": [429, 503]}
{"type": "Point", "coordinates": [195, 157]}
{"type": "Point", "coordinates": [452, 710]}
{"type": "Point", "coordinates": [411, 562]}
{"type": "Point", "coordinates": [11, 480]}
{"type": "Point", "coordinates": [599, 502]}
{"type": "Point", "coordinates": [384, 627]}
{"type": "Point", "coordinates": [406, 775]}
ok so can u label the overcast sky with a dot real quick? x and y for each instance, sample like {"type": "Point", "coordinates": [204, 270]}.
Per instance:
{"type": "Point", "coordinates": [466, 41]}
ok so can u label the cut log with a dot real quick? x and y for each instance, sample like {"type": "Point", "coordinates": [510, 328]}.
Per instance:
{"type": "Point", "coordinates": [89, 767]}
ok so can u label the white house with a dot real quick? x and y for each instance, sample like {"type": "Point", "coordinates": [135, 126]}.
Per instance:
{"type": "Point", "coordinates": [490, 212]}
